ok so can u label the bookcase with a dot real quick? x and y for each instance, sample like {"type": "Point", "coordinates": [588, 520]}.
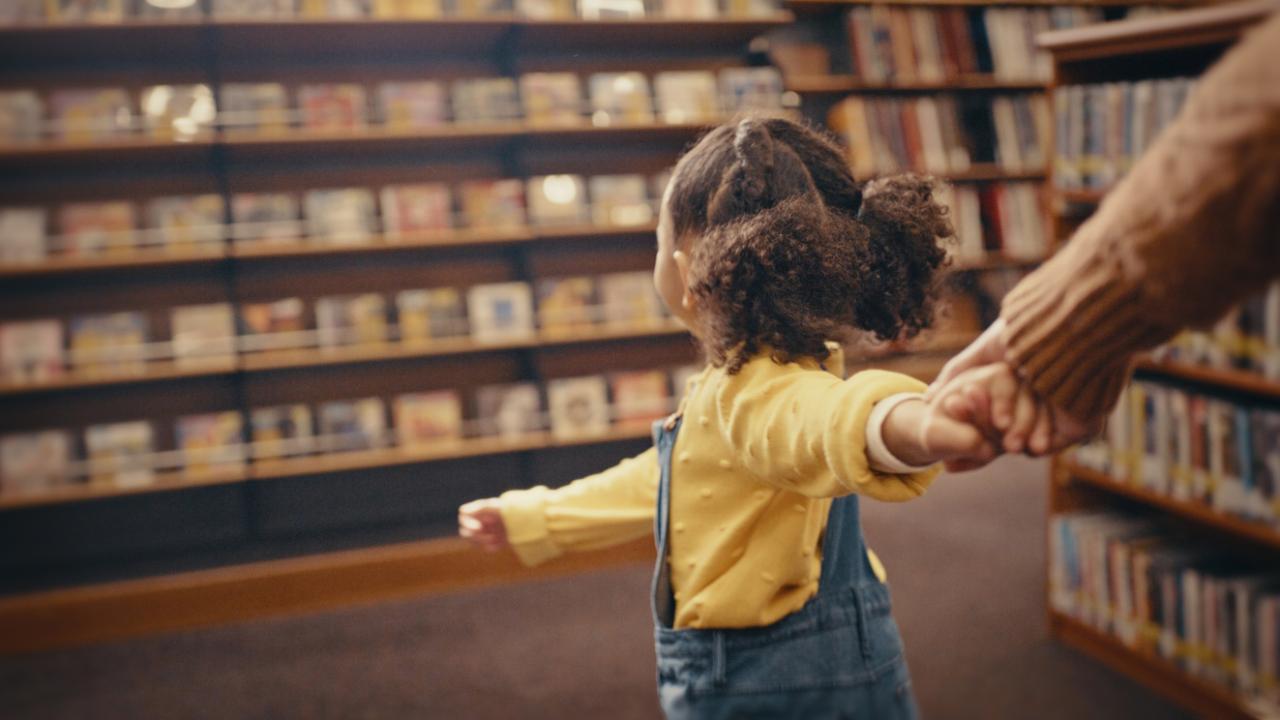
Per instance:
{"type": "Point", "coordinates": [1164, 535]}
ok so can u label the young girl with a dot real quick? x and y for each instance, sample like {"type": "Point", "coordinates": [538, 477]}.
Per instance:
{"type": "Point", "coordinates": [766, 601]}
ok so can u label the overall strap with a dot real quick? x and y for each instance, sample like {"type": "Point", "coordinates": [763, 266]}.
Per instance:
{"type": "Point", "coordinates": [663, 602]}
{"type": "Point", "coordinates": [844, 553]}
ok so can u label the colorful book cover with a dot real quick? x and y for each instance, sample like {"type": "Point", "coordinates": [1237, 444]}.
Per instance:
{"type": "Point", "coordinates": [750, 8]}
{"type": "Point", "coordinates": [579, 407]}
{"type": "Point", "coordinates": [98, 228]}
{"type": "Point", "coordinates": [33, 462]}
{"type": "Point", "coordinates": [21, 117]}
{"type": "Point", "coordinates": [353, 425]}
{"type": "Point", "coordinates": [351, 320]}
{"type": "Point", "coordinates": [265, 217]}
{"type": "Point", "coordinates": [416, 104]}
{"type": "Point", "coordinates": [335, 8]}
{"type": "Point", "coordinates": [690, 9]}
{"type": "Point", "coordinates": [23, 235]}
{"type": "Point", "coordinates": [110, 343]}
{"type": "Point", "coordinates": [211, 441]}
{"type": "Point", "coordinates": [620, 99]}
{"type": "Point", "coordinates": [1264, 432]}
{"type": "Point", "coordinates": [341, 217]}
{"type": "Point", "coordinates": [611, 9]}
{"type": "Point", "coordinates": [178, 112]}
{"type": "Point", "coordinates": [243, 9]}
{"type": "Point", "coordinates": [492, 204]}
{"type": "Point", "coordinates": [751, 89]}
{"type": "Point", "coordinates": [421, 208]}
{"type": "Point", "coordinates": [430, 418]}
{"type": "Point", "coordinates": [90, 115]}
{"type": "Point", "coordinates": [629, 300]}
{"type": "Point", "coordinates": [281, 431]}
{"type": "Point", "coordinates": [687, 96]}
{"type": "Point", "coordinates": [257, 108]}
{"type": "Point", "coordinates": [203, 334]}
{"type": "Point", "coordinates": [509, 411]}
{"type": "Point", "coordinates": [330, 107]}
{"type": "Point", "coordinates": [482, 8]}
{"type": "Point", "coordinates": [484, 100]}
{"type": "Point", "coordinates": [430, 314]}
{"type": "Point", "coordinates": [273, 325]}
{"type": "Point", "coordinates": [546, 9]}
{"type": "Point", "coordinates": [94, 11]}
{"type": "Point", "coordinates": [620, 201]}
{"type": "Point", "coordinates": [189, 220]}
{"type": "Point", "coordinates": [566, 305]}
{"type": "Point", "coordinates": [121, 453]}
{"type": "Point", "coordinates": [639, 398]}
{"type": "Point", "coordinates": [501, 311]}
{"type": "Point", "coordinates": [31, 352]}
{"type": "Point", "coordinates": [408, 9]}
{"type": "Point", "coordinates": [557, 200]}
{"type": "Point", "coordinates": [551, 98]}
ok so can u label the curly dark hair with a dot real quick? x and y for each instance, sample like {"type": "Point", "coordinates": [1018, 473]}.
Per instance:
{"type": "Point", "coordinates": [792, 251]}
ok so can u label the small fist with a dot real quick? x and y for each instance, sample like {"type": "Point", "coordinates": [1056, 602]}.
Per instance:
{"type": "Point", "coordinates": [480, 521]}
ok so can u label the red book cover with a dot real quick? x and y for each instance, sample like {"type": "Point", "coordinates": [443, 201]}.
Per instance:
{"type": "Point", "coordinates": [911, 135]}
{"type": "Point", "coordinates": [958, 28]}
{"type": "Point", "coordinates": [989, 199]}
{"type": "Point", "coordinates": [904, 53]}
{"type": "Point", "coordinates": [948, 46]}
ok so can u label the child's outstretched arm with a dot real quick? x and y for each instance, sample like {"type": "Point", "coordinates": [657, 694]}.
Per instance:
{"type": "Point", "coordinates": [1006, 410]}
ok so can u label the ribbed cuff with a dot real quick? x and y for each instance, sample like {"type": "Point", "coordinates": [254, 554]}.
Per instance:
{"type": "Point", "coordinates": [879, 457]}
{"type": "Point", "coordinates": [524, 515]}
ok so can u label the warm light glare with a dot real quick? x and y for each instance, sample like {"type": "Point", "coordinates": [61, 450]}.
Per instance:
{"type": "Point", "coordinates": [560, 189]}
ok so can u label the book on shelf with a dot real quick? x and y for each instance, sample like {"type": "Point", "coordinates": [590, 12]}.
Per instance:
{"type": "Point", "coordinates": [21, 117]}
{"type": "Point", "coordinates": [178, 112]}
{"type": "Point", "coordinates": [419, 208]}
{"type": "Point", "coordinates": [408, 9]}
{"type": "Point", "coordinates": [493, 204]}
{"type": "Point", "coordinates": [501, 311]}
{"type": "Point", "coordinates": [90, 115]}
{"type": "Point", "coordinates": [509, 411]}
{"type": "Point", "coordinates": [281, 431]}
{"type": "Point", "coordinates": [1003, 219]}
{"type": "Point", "coordinates": [750, 8]}
{"type": "Point", "coordinates": [35, 462]}
{"type": "Point", "coordinates": [690, 9]}
{"type": "Point", "coordinates": [23, 236]}
{"type": "Point", "coordinates": [254, 108]}
{"type": "Point", "coordinates": [797, 57]}
{"type": "Point", "coordinates": [22, 12]}
{"type": "Point", "coordinates": [347, 425]}
{"type": "Point", "coordinates": [31, 351]}
{"type": "Point", "coordinates": [546, 9]}
{"type": "Point", "coordinates": [332, 106]}
{"type": "Point", "coordinates": [482, 8]}
{"type": "Point", "coordinates": [168, 10]}
{"type": "Point", "coordinates": [551, 98]}
{"type": "Point", "coordinates": [579, 407]}
{"type": "Point", "coordinates": [687, 96]}
{"type": "Point", "coordinates": [485, 100]}
{"type": "Point", "coordinates": [611, 9]}
{"type": "Point", "coordinates": [428, 418]}
{"type": "Point", "coordinates": [566, 305]}
{"type": "Point", "coordinates": [557, 200]}
{"type": "Point", "coordinates": [335, 8]}
{"type": "Point", "coordinates": [268, 218]}
{"type": "Point", "coordinates": [203, 334]}
{"type": "Point", "coordinates": [188, 220]}
{"type": "Point", "coordinates": [210, 441]}
{"type": "Point", "coordinates": [121, 453]}
{"type": "Point", "coordinates": [1245, 339]}
{"type": "Point", "coordinates": [639, 398]}
{"type": "Point", "coordinates": [426, 315]}
{"type": "Point", "coordinates": [252, 9]}
{"type": "Point", "coordinates": [413, 104]}
{"type": "Point", "coordinates": [620, 99]}
{"type": "Point", "coordinates": [273, 325]}
{"type": "Point", "coordinates": [97, 228]}
{"type": "Point", "coordinates": [109, 343]}
{"type": "Point", "coordinates": [629, 300]}
{"type": "Point", "coordinates": [351, 320]}
{"type": "Point", "coordinates": [756, 89]}
{"type": "Point", "coordinates": [620, 201]}
{"type": "Point", "coordinates": [92, 11]}
{"type": "Point", "coordinates": [347, 216]}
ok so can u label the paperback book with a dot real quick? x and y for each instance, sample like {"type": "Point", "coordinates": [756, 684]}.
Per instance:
{"type": "Point", "coordinates": [566, 306]}
{"type": "Point", "coordinates": [330, 107]}
{"type": "Point", "coordinates": [256, 108]}
{"type": "Point", "coordinates": [611, 9]}
{"type": "Point", "coordinates": [493, 204]}
{"type": "Point", "coordinates": [620, 201]}
{"type": "Point", "coordinates": [639, 398]}
{"type": "Point", "coordinates": [178, 112]}
{"type": "Point", "coordinates": [243, 9]}
{"type": "Point", "coordinates": [121, 453]}
{"type": "Point", "coordinates": [351, 320]}
{"type": "Point", "coordinates": [620, 99]}
{"type": "Point", "coordinates": [31, 352]}
{"type": "Point", "coordinates": [347, 425]}
{"type": "Point", "coordinates": [501, 312]}
{"type": "Point", "coordinates": [270, 218]}
{"type": "Point", "coordinates": [426, 419]}
{"type": "Point", "coordinates": [211, 441]}
{"type": "Point", "coordinates": [341, 217]}
{"type": "Point", "coordinates": [275, 325]}
{"type": "Point", "coordinates": [93, 11]}
{"type": "Point", "coordinates": [91, 115]}
{"type": "Point", "coordinates": [408, 9]}
{"type": "Point", "coordinates": [31, 463]}
{"type": "Point", "coordinates": [109, 344]}
{"type": "Point", "coordinates": [484, 100]}
{"type": "Point", "coordinates": [186, 221]}
{"type": "Point", "coordinates": [203, 334]}
{"type": "Point", "coordinates": [426, 315]}
{"type": "Point", "coordinates": [546, 9]}
{"type": "Point", "coordinates": [22, 235]}
{"type": "Point", "coordinates": [629, 299]}
{"type": "Point", "coordinates": [335, 8]}
{"type": "Point", "coordinates": [509, 411]}
{"type": "Point", "coordinates": [21, 117]}
{"type": "Point", "coordinates": [751, 89]}
{"type": "Point", "coordinates": [557, 200]}
{"type": "Point", "coordinates": [97, 228]}
{"type": "Point", "coordinates": [281, 431]}
{"type": "Point", "coordinates": [687, 96]}
{"type": "Point", "coordinates": [551, 98]}
{"type": "Point", "coordinates": [579, 407]}
{"type": "Point", "coordinates": [421, 208]}
{"type": "Point", "coordinates": [416, 104]}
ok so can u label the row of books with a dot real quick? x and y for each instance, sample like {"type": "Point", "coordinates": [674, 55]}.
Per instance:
{"type": "Point", "coordinates": [908, 44]}
{"type": "Point", "coordinates": [125, 453]}
{"type": "Point", "coordinates": [1004, 219]}
{"type": "Point", "coordinates": [540, 98]}
{"type": "Point", "coordinates": [120, 342]}
{"type": "Point", "coordinates": [327, 217]}
{"type": "Point", "coordinates": [943, 134]}
{"type": "Point", "coordinates": [1103, 128]}
{"type": "Point", "coordinates": [1203, 610]}
{"type": "Point", "coordinates": [1194, 448]}
{"type": "Point", "coordinates": [1246, 338]}
{"type": "Point", "coordinates": [118, 11]}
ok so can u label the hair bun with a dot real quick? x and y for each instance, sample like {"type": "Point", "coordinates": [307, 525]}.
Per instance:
{"type": "Point", "coordinates": [753, 147]}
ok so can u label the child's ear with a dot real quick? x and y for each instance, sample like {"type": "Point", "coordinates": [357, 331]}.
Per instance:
{"type": "Point", "coordinates": [682, 265]}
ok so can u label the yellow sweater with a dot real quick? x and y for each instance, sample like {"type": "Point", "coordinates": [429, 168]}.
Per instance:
{"type": "Point", "coordinates": [759, 457]}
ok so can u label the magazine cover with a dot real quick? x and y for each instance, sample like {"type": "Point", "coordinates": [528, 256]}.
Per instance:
{"type": "Point", "coordinates": [408, 9]}
{"type": "Point", "coordinates": [353, 425]}
{"type": "Point", "coordinates": [335, 106]}
{"type": "Point", "coordinates": [408, 105]}
{"type": "Point", "coordinates": [21, 117]}
{"type": "Point", "coordinates": [566, 305]}
{"type": "Point", "coordinates": [242, 9]}
{"type": "Point", "coordinates": [203, 334]}
{"type": "Point", "coordinates": [485, 100]}
{"type": "Point", "coordinates": [687, 96]}
{"type": "Point", "coordinates": [351, 320]}
{"type": "Point", "coordinates": [509, 411]}
{"type": "Point", "coordinates": [97, 228]}
{"type": "Point", "coordinates": [421, 208]}
{"type": "Point", "coordinates": [31, 352]}
{"type": "Point", "coordinates": [423, 419]}
{"type": "Point", "coordinates": [89, 115]}
{"type": "Point", "coordinates": [639, 398]}
{"type": "Point", "coordinates": [551, 98]}
{"type": "Point", "coordinates": [620, 200]}
{"type": "Point", "coordinates": [611, 9]}
{"type": "Point", "coordinates": [341, 217]}
{"type": "Point", "coordinates": [98, 11]}
{"type": "Point", "coordinates": [501, 312]}
{"type": "Point", "coordinates": [579, 406]}
{"type": "Point", "coordinates": [557, 200]}
{"type": "Point", "coordinates": [109, 343]}
{"type": "Point", "coordinates": [428, 314]}
{"type": "Point", "coordinates": [335, 8]}
{"type": "Point", "coordinates": [756, 89]}
{"type": "Point", "coordinates": [34, 462]}
{"type": "Point", "coordinates": [259, 108]}
{"type": "Point", "coordinates": [493, 203]}
{"type": "Point", "coordinates": [265, 217]}
{"type": "Point", "coordinates": [546, 9]}
{"type": "Point", "coordinates": [211, 441]}
{"type": "Point", "coordinates": [178, 112]}
{"type": "Point", "coordinates": [629, 299]}
{"type": "Point", "coordinates": [189, 220]}
{"type": "Point", "coordinates": [275, 325]}
{"type": "Point", "coordinates": [620, 98]}
{"type": "Point", "coordinates": [22, 235]}
{"type": "Point", "coordinates": [690, 9]}
{"type": "Point", "coordinates": [281, 431]}
{"type": "Point", "coordinates": [120, 453]}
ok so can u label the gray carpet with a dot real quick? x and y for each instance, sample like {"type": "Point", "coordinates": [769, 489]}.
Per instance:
{"type": "Point", "coordinates": [966, 564]}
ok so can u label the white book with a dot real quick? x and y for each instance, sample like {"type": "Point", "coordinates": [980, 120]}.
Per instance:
{"type": "Point", "coordinates": [935, 151]}
{"type": "Point", "coordinates": [22, 235]}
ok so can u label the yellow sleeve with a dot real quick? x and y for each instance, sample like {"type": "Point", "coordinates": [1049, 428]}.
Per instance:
{"type": "Point", "coordinates": [805, 431]}
{"type": "Point", "coordinates": [597, 511]}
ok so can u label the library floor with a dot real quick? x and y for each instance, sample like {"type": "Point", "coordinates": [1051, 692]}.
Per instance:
{"type": "Point", "coordinates": [966, 564]}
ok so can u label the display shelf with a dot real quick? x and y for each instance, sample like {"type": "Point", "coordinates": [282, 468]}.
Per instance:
{"type": "Point", "coordinates": [1207, 517]}
{"type": "Point", "coordinates": [169, 40]}
{"type": "Point", "coordinates": [301, 36]}
{"type": "Point", "coordinates": [834, 84]}
{"type": "Point", "coordinates": [1234, 380]}
{"type": "Point", "coordinates": [150, 372]}
{"type": "Point", "coordinates": [613, 35]}
{"type": "Point", "coordinates": [1202, 698]}
{"type": "Point", "coordinates": [1211, 26]}
{"type": "Point", "coordinates": [115, 149]}
{"type": "Point", "coordinates": [122, 261]}
{"type": "Point", "coordinates": [163, 482]}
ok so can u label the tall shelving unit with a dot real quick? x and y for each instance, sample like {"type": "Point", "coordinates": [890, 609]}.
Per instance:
{"type": "Point", "coordinates": [1179, 45]}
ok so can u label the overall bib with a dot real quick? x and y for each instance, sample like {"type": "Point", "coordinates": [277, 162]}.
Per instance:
{"type": "Point", "coordinates": [840, 656]}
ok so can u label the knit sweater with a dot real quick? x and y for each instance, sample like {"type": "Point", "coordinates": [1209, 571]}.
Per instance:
{"type": "Point", "coordinates": [1193, 229]}
{"type": "Point", "coordinates": [759, 456]}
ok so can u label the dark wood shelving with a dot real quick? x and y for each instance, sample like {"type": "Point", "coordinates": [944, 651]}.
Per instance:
{"type": "Point", "coordinates": [1204, 26]}
{"type": "Point", "coordinates": [1081, 196]}
{"type": "Point", "coordinates": [136, 259]}
{"type": "Point", "coordinates": [1235, 380]}
{"type": "Point", "coordinates": [812, 6]}
{"type": "Point", "coordinates": [835, 84]}
{"type": "Point", "coordinates": [151, 372]}
{"type": "Point", "coordinates": [164, 482]}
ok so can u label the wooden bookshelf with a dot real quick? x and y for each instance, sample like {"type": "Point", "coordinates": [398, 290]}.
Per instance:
{"type": "Point", "coordinates": [1211, 26]}
{"type": "Point", "coordinates": [1237, 381]}
{"type": "Point", "coordinates": [1080, 196]}
{"type": "Point", "coordinates": [852, 84]}
{"type": "Point", "coordinates": [827, 6]}
{"type": "Point", "coordinates": [149, 372]}
{"type": "Point", "coordinates": [134, 259]}
{"type": "Point", "coordinates": [163, 482]}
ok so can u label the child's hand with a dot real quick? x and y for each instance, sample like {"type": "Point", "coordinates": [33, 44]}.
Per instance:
{"type": "Point", "coordinates": [480, 521]}
{"type": "Point", "coordinates": [921, 433]}
{"type": "Point", "coordinates": [995, 400]}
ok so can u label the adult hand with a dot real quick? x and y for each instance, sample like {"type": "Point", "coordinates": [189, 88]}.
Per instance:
{"type": "Point", "coordinates": [988, 348]}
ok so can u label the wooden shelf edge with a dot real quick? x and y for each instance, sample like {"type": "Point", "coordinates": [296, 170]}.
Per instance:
{"type": "Point", "coordinates": [58, 266]}
{"type": "Point", "coordinates": [1220, 24]}
{"type": "Point", "coordinates": [1192, 693]}
{"type": "Point", "coordinates": [833, 5]}
{"type": "Point", "coordinates": [823, 84]}
{"type": "Point", "coordinates": [1233, 380]}
{"type": "Point", "coordinates": [165, 482]}
{"type": "Point", "coordinates": [158, 373]}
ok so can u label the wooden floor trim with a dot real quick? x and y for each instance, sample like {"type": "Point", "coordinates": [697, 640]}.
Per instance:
{"type": "Point", "coordinates": [120, 610]}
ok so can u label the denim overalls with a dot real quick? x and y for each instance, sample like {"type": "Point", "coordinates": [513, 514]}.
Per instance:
{"type": "Point", "coordinates": [840, 656]}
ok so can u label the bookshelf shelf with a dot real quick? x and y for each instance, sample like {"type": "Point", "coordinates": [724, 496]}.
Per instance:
{"type": "Point", "coordinates": [812, 6]}
{"type": "Point", "coordinates": [835, 84]}
{"type": "Point", "coordinates": [1201, 515]}
{"type": "Point", "coordinates": [164, 482]}
{"type": "Point", "coordinates": [136, 259]}
{"type": "Point", "coordinates": [1234, 380]}
{"type": "Point", "coordinates": [992, 173]}
{"type": "Point", "coordinates": [995, 261]}
{"type": "Point", "coordinates": [1080, 196]}
{"type": "Point", "coordinates": [152, 372]}
{"type": "Point", "coordinates": [1211, 26]}
{"type": "Point", "coordinates": [136, 148]}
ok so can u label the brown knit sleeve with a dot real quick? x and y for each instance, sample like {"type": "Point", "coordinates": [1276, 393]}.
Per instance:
{"type": "Point", "coordinates": [1193, 229]}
